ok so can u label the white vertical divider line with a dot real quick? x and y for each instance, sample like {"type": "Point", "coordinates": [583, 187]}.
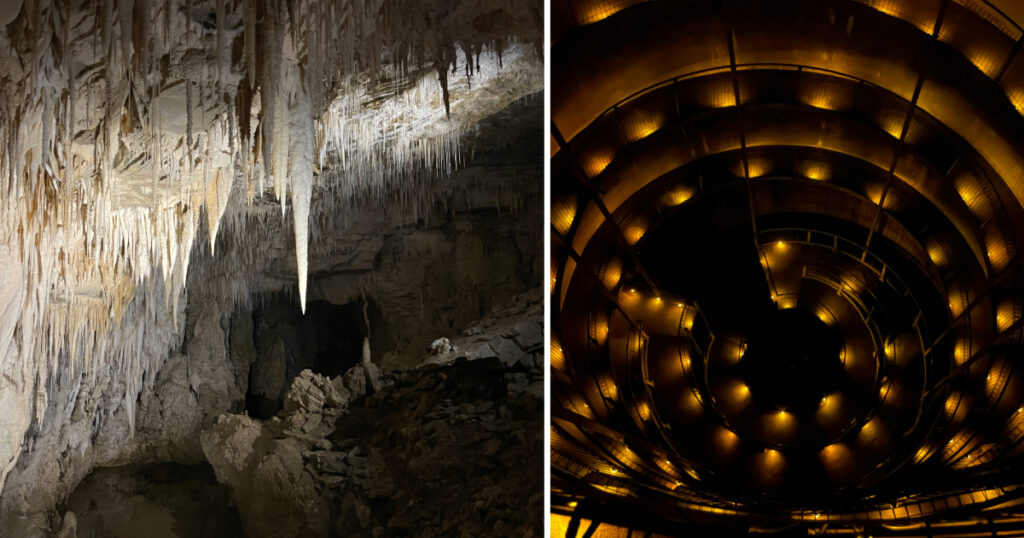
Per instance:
{"type": "Point", "coordinates": [547, 267]}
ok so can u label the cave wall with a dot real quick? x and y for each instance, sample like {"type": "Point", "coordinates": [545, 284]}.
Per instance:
{"type": "Point", "coordinates": [85, 421]}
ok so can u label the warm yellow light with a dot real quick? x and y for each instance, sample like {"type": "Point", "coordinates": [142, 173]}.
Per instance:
{"type": "Point", "coordinates": [874, 193]}
{"type": "Point", "coordinates": [960, 352]}
{"type": "Point", "coordinates": [780, 425]}
{"type": "Point", "coordinates": [611, 273]}
{"type": "Point", "coordinates": [952, 402]}
{"type": "Point", "coordinates": [987, 61]}
{"type": "Point", "coordinates": [597, 10]}
{"type": "Point", "coordinates": [1005, 316]}
{"type": "Point", "coordinates": [816, 170]}
{"type": "Point", "coordinates": [557, 356]}
{"type": "Point", "coordinates": [725, 441]}
{"type": "Point", "coordinates": [957, 300]}
{"type": "Point", "coordinates": [562, 213]}
{"type": "Point", "coordinates": [608, 387]}
{"type": "Point", "coordinates": [1016, 96]}
{"type": "Point", "coordinates": [721, 97]}
{"type": "Point", "coordinates": [900, 9]}
{"type": "Point", "coordinates": [691, 403]}
{"type": "Point", "coordinates": [634, 232]}
{"type": "Point", "coordinates": [613, 490]}
{"type": "Point", "coordinates": [688, 318]}
{"type": "Point", "coordinates": [740, 393]}
{"type": "Point", "coordinates": [580, 407]}
{"type": "Point", "coordinates": [679, 305]}
{"type": "Point", "coordinates": [596, 164]}
{"type": "Point", "coordinates": [781, 245]}
{"type": "Point", "coordinates": [771, 464]}
{"type": "Point", "coordinates": [968, 188]}
{"type": "Point", "coordinates": [600, 329]}
{"type": "Point", "coordinates": [996, 248]}
{"type": "Point", "coordinates": [573, 504]}
{"type": "Point", "coordinates": [955, 444]}
{"type": "Point", "coordinates": [836, 458]}
{"type": "Point", "coordinates": [824, 315]}
{"type": "Point", "coordinates": [872, 433]}
{"type": "Point", "coordinates": [995, 381]}
{"type": "Point", "coordinates": [829, 406]}
{"type": "Point", "coordinates": [677, 195]}
{"type": "Point", "coordinates": [824, 97]}
{"type": "Point", "coordinates": [757, 167]}
{"type": "Point", "coordinates": [644, 410]}
{"type": "Point", "coordinates": [937, 254]}
{"type": "Point", "coordinates": [642, 124]}
{"type": "Point", "coordinates": [892, 124]}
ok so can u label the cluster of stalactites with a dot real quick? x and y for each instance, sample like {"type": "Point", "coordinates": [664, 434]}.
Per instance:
{"type": "Point", "coordinates": [122, 121]}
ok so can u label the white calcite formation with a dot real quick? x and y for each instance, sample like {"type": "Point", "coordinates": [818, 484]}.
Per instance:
{"type": "Point", "coordinates": [127, 127]}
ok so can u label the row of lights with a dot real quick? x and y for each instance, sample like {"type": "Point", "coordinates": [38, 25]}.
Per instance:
{"type": "Point", "coordinates": [656, 298]}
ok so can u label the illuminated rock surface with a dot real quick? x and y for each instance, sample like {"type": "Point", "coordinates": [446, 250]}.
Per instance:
{"type": "Point", "coordinates": [166, 163]}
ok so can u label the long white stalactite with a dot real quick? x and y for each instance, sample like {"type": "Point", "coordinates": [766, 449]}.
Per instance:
{"type": "Point", "coordinates": [122, 122]}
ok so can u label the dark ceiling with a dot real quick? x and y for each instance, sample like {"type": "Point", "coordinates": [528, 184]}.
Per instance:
{"type": "Point", "coordinates": [786, 283]}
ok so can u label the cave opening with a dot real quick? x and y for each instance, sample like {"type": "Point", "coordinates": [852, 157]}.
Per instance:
{"type": "Point", "coordinates": [327, 339]}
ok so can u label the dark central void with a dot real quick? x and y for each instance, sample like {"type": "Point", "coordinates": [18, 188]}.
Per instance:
{"type": "Point", "coordinates": [327, 339]}
{"type": "Point", "coordinates": [792, 360]}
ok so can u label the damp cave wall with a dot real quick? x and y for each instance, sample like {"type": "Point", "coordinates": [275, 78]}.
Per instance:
{"type": "Point", "coordinates": [474, 242]}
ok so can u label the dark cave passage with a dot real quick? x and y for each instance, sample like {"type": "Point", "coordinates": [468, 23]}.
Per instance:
{"type": "Point", "coordinates": [328, 340]}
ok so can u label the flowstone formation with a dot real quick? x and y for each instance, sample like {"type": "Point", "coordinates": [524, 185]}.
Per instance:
{"type": "Point", "coordinates": [131, 131]}
{"type": "Point", "coordinates": [452, 447]}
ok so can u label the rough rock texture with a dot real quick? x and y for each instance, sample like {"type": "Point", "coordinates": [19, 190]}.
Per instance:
{"type": "Point", "coordinates": [192, 388]}
{"type": "Point", "coordinates": [84, 423]}
{"type": "Point", "coordinates": [453, 447]}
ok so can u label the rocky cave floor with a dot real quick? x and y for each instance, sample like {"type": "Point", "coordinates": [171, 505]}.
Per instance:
{"type": "Point", "coordinates": [453, 447]}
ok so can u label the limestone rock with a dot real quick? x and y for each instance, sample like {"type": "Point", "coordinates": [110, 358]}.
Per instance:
{"type": "Point", "coordinates": [276, 496]}
{"type": "Point", "coordinates": [391, 461]}
{"type": "Point", "coordinates": [308, 392]}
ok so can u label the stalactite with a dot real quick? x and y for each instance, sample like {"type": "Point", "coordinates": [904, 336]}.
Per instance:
{"type": "Point", "coordinates": [300, 170]}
